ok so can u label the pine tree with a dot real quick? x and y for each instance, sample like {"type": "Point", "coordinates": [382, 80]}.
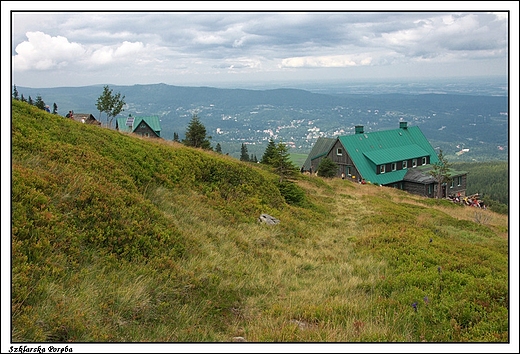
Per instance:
{"type": "Point", "coordinates": [15, 92]}
{"type": "Point", "coordinates": [270, 152]}
{"type": "Point", "coordinates": [23, 98]}
{"type": "Point", "coordinates": [39, 102]}
{"type": "Point", "coordinates": [176, 137]}
{"type": "Point", "coordinates": [281, 162]}
{"type": "Point", "coordinates": [30, 101]}
{"type": "Point", "coordinates": [218, 148]}
{"type": "Point", "coordinates": [441, 172]}
{"type": "Point", "coordinates": [196, 134]}
{"type": "Point", "coordinates": [244, 156]}
{"type": "Point", "coordinates": [327, 168]}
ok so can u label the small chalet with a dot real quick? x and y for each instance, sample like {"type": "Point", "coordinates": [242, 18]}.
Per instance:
{"type": "Point", "coordinates": [86, 118]}
{"type": "Point", "coordinates": [144, 126]}
{"type": "Point", "coordinates": [399, 158]}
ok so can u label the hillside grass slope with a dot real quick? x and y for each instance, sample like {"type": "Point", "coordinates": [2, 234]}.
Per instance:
{"type": "Point", "coordinates": [121, 239]}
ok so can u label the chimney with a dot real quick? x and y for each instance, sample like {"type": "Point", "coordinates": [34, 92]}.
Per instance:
{"type": "Point", "coordinates": [359, 129]}
{"type": "Point", "coordinates": [403, 125]}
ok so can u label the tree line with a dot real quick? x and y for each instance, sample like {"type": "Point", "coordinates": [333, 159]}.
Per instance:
{"type": "Point", "coordinates": [38, 102]}
{"type": "Point", "coordinates": [108, 102]}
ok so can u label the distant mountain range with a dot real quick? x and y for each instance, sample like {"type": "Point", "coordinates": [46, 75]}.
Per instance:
{"type": "Point", "coordinates": [465, 127]}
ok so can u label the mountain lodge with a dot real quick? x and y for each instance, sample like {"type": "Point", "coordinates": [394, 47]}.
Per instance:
{"type": "Point", "coordinates": [399, 158]}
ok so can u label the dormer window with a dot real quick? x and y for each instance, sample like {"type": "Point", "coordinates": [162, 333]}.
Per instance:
{"type": "Point", "coordinates": [423, 161]}
{"type": "Point", "coordinates": [414, 163]}
{"type": "Point", "coordinates": [382, 169]}
{"type": "Point", "coordinates": [405, 164]}
{"type": "Point", "coordinates": [394, 166]}
{"type": "Point", "coordinates": [339, 151]}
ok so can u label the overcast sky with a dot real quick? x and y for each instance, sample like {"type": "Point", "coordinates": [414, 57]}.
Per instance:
{"type": "Point", "coordinates": [65, 48]}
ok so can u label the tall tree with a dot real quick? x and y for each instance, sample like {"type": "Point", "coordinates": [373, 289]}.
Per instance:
{"type": "Point", "coordinates": [39, 102]}
{"type": "Point", "coordinates": [196, 134]}
{"type": "Point", "coordinates": [282, 163]}
{"type": "Point", "coordinates": [30, 101]}
{"type": "Point", "coordinates": [441, 172]}
{"type": "Point", "coordinates": [269, 153]}
{"type": "Point", "coordinates": [23, 98]}
{"type": "Point", "coordinates": [244, 156]}
{"type": "Point", "coordinates": [15, 93]}
{"type": "Point", "coordinates": [109, 103]}
{"type": "Point", "coordinates": [176, 137]}
{"type": "Point", "coordinates": [218, 148]}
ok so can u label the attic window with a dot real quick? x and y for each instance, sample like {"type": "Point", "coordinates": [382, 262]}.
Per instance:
{"type": "Point", "coordinates": [339, 151]}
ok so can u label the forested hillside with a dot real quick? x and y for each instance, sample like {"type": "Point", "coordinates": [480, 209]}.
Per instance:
{"type": "Point", "coordinates": [116, 238]}
{"type": "Point", "coordinates": [490, 180]}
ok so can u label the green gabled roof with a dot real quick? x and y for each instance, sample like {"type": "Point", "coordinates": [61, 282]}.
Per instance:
{"type": "Point", "coordinates": [152, 121]}
{"type": "Point", "coordinates": [395, 154]}
{"type": "Point", "coordinates": [320, 148]}
{"type": "Point", "coordinates": [368, 150]}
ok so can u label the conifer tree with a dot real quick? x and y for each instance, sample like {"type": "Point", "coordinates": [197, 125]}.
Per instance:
{"type": "Point", "coordinates": [244, 156]}
{"type": "Point", "coordinates": [270, 152]}
{"type": "Point", "coordinates": [196, 134]}
{"type": "Point", "coordinates": [30, 101]}
{"type": "Point", "coordinates": [176, 137]}
{"type": "Point", "coordinates": [15, 93]}
{"type": "Point", "coordinates": [39, 102]}
{"type": "Point", "coordinates": [23, 98]}
{"type": "Point", "coordinates": [218, 148]}
{"type": "Point", "coordinates": [281, 162]}
{"type": "Point", "coordinates": [327, 168]}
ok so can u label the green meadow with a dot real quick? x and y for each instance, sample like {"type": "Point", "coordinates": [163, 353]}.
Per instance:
{"type": "Point", "coordinates": [117, 238]}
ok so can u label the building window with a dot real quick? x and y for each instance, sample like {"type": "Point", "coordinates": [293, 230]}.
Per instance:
{"type": "Point", "coordinates": [349, 173]}
{"type": "Point", "coordinates": [452, 183]}
{"type": "Point", "coordinates": [382, 169]}
{"type": "Point", "coordinates": [405, 164]}
{"type": "Point", "coordinates": [429, 189]}
{"type": "Point", "coordinates": [414, 163]}
{"type": "Point", "coordinates": [339, 151]}
{"type": "Point", "coordinates": [394, 166]}
{"type": "Point", "coordinates": [424, 161]}
{"type": "Point", "coordinates": [459, 181]}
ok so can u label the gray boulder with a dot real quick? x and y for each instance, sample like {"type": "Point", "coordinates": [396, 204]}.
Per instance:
{"type": "Point", "coordinates": [268, 219]}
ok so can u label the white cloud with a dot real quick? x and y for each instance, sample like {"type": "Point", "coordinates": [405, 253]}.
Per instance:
{"type": "Point", "coordinates": [43, 52]}
{"type": "Point", "coordinates": [332, 61]}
